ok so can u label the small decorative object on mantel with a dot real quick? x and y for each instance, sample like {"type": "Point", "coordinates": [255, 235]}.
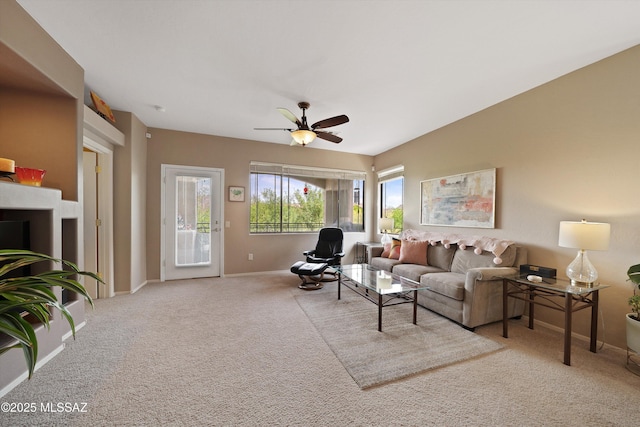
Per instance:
{"type": "Point", "coordinates": [7, 165]}
{"type": "Point", "coordinates": [7, 168]}
{"type": "Point", "coordinates": [236, 194]}
{"type": "Point", "coordinates": [102, 107]}
{"type": "Point", "coordinates": [29, 176]}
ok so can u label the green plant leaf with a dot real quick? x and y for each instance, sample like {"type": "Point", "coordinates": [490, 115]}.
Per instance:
{"type": "Point", "coordinates": [26, 337]}
{"type": "Point", "coordinates": [634, 274]}
{"type": "Point", "coordinates": [33, 295]}
{"type": "Point", "coordinates": [14, 332]}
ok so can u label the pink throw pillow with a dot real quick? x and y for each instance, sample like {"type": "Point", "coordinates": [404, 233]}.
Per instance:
{"type": "Point", "coordinates": [386, 250]}
{"type": "Point", "coordinates": [414, 252]}
{"type": "Point", "coordinates": [395, 249]}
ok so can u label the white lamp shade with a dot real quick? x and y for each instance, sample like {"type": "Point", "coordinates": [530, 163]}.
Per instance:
{"type": "Point", "coordinates": [385, 224]}
{"type": "Point", "coordinates": [303, 137]}
{"type": "Point", "coordinates": [592, 236]}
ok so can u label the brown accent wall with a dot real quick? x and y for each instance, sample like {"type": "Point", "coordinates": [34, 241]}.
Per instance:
{"type": "Point", "coordinates": [39, 131]}
{"type": "Point", "coordinates": [566, 150]}
{"type": "Point", "coordinates": [41, 91]}
{"type": "Point", "coordinates": [41, 108]}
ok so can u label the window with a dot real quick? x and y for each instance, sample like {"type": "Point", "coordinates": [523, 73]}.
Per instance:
{"type": "Point", "coordinates": [295, 199]}
{"type": "Point", "coordinates": [391, 196]}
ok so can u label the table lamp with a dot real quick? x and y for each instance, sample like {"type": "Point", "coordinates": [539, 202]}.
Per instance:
{"type": "Point", "coordinates": [385, 225]}
{"type": "Point", "coordinates": [583, 235]}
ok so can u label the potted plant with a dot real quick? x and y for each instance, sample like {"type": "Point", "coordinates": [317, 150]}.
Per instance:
{"type": "Point", "coordinates": [31, 296]}
{"type": "Point", "coordinates": [633, 318]}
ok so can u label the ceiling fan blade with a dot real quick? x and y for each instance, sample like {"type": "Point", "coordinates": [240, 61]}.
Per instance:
{"type": "Point", "coordinates": [288, 130]}
{"type": "Point", "coordinates": [333, 121]}
{"type": "Point", "coordinates": [289, 116]}
{"type": "Point", "coordinates": [328, 136]}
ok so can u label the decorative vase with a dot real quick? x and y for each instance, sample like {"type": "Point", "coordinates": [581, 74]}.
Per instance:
{"type": "Point", "coordinates": [30, 176]}
{"type": "Point", "coordinates": [633, 333]}
{"type": "Point", "coordinates": [633, 344]}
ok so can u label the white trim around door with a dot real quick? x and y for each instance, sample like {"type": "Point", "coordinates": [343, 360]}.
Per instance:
{"type": "Point", "coordinates": [189, 246]}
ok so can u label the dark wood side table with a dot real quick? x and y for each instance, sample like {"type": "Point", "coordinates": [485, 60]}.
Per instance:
{"type": "Point", "coordinates": [555, 294]}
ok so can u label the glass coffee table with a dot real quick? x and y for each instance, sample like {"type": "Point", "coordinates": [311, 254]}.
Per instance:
{"type": "Point", "coordinates": [364, 280]}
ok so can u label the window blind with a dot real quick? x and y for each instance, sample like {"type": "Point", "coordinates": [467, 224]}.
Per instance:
{"type": "Point", "coordinates": [391, 173]}
{"type": "Point", "coordinates": [308, 171]}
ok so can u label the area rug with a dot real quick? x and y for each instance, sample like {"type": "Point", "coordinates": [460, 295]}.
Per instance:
{"type": "Point", "coordinates": [349, 326]}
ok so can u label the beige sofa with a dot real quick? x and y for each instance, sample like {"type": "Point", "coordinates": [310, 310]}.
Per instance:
{"type": "Point", "coordinates": [463, 274]}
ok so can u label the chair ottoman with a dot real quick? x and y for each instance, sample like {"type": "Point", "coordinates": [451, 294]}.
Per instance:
{"type": "Point", "coordinates": [310, 273]}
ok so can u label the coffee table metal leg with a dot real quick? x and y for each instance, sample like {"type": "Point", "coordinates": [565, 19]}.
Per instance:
{"type": "Point", "coordinates": [568, 313]}
{"type": "Point", "coordinates": [339, 283]}
{"type": "Point", "coordinates": [379, 312]}
{"type": "Point", "coordinates": [415, 307]}
{"type": "Point", "coordinates": [505, 306]}
{"type": "Point", "coordinates": [594, 322]}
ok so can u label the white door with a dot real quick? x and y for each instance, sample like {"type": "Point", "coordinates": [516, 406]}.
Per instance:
{"type": "Point", "coordinates": [192, 214]}
{"type": "Point", "coordinates": [90, 197]}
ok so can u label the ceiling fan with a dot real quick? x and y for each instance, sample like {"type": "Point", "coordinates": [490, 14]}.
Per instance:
{"type": "Point", "coordinates": [304, 134]}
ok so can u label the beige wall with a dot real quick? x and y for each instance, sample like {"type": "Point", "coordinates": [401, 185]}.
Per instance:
{"type": "Point", "coordinates": [564, 151]}
{"type": "Point", "coordinates": [130, 209]}
{"type": "Point", "coordinates": [271, 252]}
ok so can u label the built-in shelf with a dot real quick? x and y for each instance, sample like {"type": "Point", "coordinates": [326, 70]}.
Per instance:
{"type": "Point", "coordinates": [69, 209]}
{"type": "Point", "coordinates": [41, 126]}
{"type": "Point", "coordinates": [53, 225]}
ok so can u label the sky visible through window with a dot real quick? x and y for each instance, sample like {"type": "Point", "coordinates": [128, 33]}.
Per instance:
{"type": "Point", "coordinates": [394, 193]}
{"type": "Point", "coordinates": [267, 181]}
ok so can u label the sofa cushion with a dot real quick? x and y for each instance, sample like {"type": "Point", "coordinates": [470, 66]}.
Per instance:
{"type": "Point", "coordinates": [448, 284]}
{"type": "Point", "coordinates": [414, 271]}
{"type": "Point", "coordinates": [383, 263]}
{"type": "Point", "coordinates": [464, 259]}
{"type": "Point", "coordinates": [509, 256]}
{"type": "Point", "coordinates": [386, 250]}
{"type": "Point", "coordinates": [441, 256]}
{"type": "Point", "coordinates": [395, 249]}
{"type": "Point", "coordinates": [414, 252]}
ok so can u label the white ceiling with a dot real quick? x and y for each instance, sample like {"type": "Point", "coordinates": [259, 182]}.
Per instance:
{"type": "Point", "coordinates": [398, 69]}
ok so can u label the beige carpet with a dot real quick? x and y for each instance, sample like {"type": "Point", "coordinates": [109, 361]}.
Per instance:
{"type": "Point", "coordinates": [240, 351]}
{"type": "Point", "coordinates": [349, 326]}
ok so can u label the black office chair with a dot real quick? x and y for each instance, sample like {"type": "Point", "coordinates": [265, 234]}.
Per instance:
{"type": "Point", "coordinates": [329, 247]}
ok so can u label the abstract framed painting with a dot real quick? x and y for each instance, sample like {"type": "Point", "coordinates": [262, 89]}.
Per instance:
{"type": "Point", "coordinates": [465, 200]}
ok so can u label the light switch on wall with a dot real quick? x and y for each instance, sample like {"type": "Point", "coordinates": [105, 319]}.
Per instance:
{"type": "Point", "coordinates": [227, 224]}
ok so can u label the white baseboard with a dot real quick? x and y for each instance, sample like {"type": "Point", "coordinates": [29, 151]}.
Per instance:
{"type": "Point", "coordinates": [134, 290]}
{"type": "Point", "coordinates": [574, 335]}
{"type": "Point", "coordinates": [13, 384]}
{"type": "Point", "coordinates": [70, 335]}
{"type": "Point", "coordinates": [257, 273]}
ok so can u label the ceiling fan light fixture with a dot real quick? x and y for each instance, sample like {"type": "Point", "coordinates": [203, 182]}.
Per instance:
{"type": "Point", "coordinates": [302, 136]}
